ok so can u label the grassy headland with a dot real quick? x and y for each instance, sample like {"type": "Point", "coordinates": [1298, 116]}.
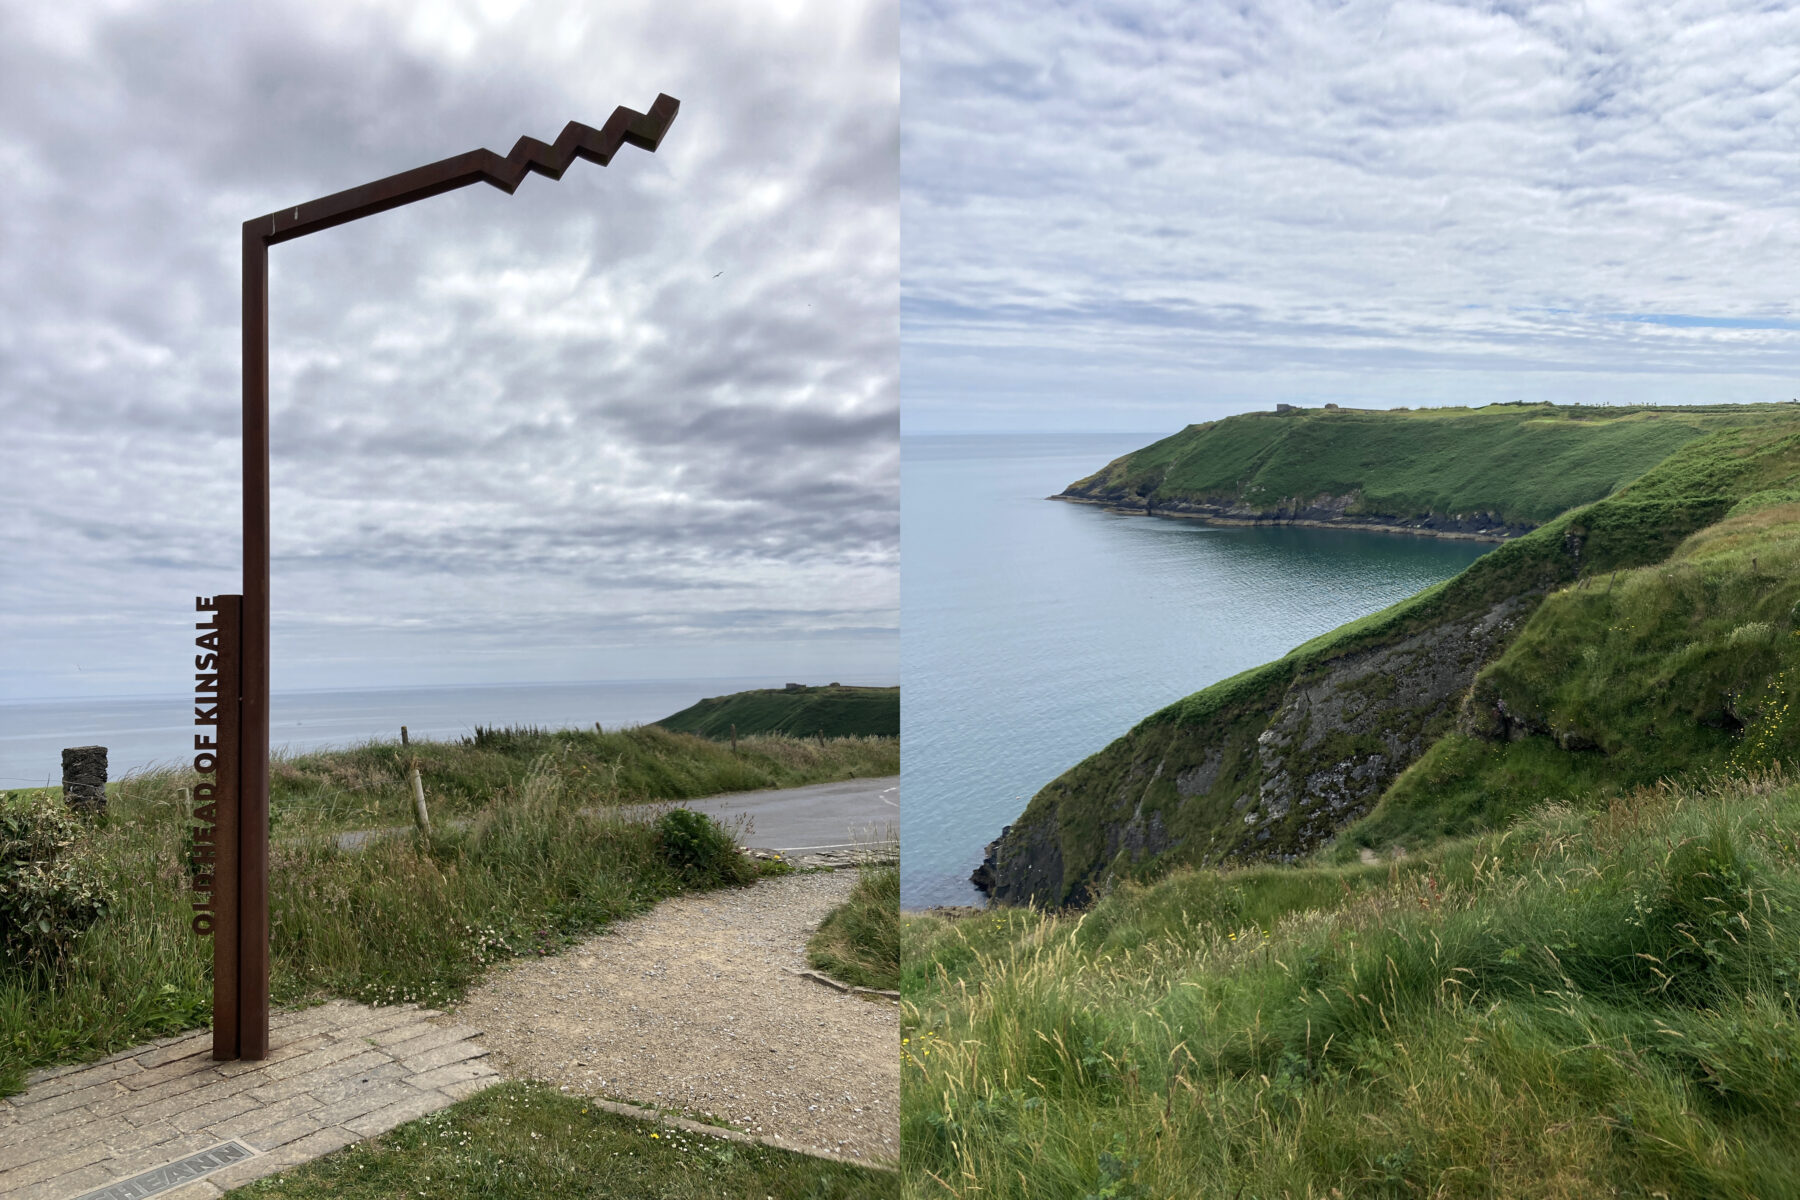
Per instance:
{"type": "Point", "coordinates": [1596, 1002]}
{"type": "Point", "coordinates": [533, 864]}
{"type": "Point", "coordinates": [1503, 468]}
{"type": "Point", "coordinates": [1665, 634]}
{"type": "Point", "coordinates": [831, 711]}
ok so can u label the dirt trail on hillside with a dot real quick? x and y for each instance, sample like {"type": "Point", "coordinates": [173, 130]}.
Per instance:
{"type": "Point", "coordinates": [694, 1007]}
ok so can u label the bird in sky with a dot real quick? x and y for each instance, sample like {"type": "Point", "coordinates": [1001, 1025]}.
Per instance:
{"type": "Point", "coordinates": [716, 274]}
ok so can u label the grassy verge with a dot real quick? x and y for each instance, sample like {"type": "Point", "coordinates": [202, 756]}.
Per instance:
{"type": "Point", "coordinates": [1595, 1002]}
{"type": "Point", "coordinates": [366, 786]}
{"type": "Point", "coordinates": [401, 919]}
{"type": "Point", "coordinates": [526, 1141]}
{"type": "Point", "coordinates": [859, 942]}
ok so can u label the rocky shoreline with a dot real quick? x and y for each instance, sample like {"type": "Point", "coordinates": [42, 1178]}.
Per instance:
{"type": "Point", "coordinates": [1325, 515]}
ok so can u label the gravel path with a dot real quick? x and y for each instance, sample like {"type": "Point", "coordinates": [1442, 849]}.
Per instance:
{"type": "Point", "coordinates": [690, 1008]}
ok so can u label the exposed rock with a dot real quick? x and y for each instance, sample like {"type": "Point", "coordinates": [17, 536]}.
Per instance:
{"type": "Point", "coordinates": [84, 778]}
{"type": "Point", "coordinates": [1023, 868]}
{"type": "Point", "coordinates": [1328, 746]}
{"type": "Point", "coordinates": [1384, 707]}
{"type": "Point", "coordinates": [983, 876]}
{"type": "Point", "coordinates": [1196, 780]}
{"type": "Point", "coordinates": [1324, 509]}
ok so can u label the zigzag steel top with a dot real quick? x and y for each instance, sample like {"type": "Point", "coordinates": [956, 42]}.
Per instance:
{"type": "Point", "coordinates": [644, 130]}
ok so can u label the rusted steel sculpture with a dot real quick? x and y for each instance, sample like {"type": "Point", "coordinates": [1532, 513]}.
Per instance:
{"type": "Point", "coordinates": [239, 885]}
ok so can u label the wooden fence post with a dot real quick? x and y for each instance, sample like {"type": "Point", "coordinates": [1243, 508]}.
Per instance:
{"type": "Point", "coordinates": [421, 817]}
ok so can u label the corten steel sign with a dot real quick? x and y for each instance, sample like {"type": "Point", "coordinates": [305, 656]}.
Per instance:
{"type": "Point", "coordinates": [231, 855]}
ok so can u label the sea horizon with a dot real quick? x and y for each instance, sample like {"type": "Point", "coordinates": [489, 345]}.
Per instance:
{"type": "Point", "coordinates": [147, 730]}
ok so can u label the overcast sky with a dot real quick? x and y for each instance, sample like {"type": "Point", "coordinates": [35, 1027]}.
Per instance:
{"type": "Point", "coordinates": [638, 423]}
{"type": "Point", "coordinates": [1141, 213]}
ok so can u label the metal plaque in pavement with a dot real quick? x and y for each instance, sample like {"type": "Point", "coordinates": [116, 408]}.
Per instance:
{"type": "Point", "coordinates": [161, 1179]}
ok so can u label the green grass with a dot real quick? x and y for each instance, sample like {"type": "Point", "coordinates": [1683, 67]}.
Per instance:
{"type": "Point", "coordinates": [1522, 464]}
{"type": "Point", "coordinates": [1599, 1001]}
{"type": "Point", "coordinates": [1690, 664]}
{"type": "Point", "coordinates": [366, 786]}
{"type": "Point", "coordinates": [834, 711]}
{"type": "Point", "coordinates": [526, 1141]}
{"type": "Point", "coordinates": [400, 919]}
{"type": "Point", "coordinates": [859, 941]}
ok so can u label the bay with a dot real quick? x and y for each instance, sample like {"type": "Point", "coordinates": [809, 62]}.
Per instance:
{"type": "Point", "coordinates": [1035, 632]}
{"type": "Point", "coordinates": [144, 731]}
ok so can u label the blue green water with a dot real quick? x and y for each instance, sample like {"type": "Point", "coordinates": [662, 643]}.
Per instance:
{"type": "Point", "coordinates": [1034, 632]}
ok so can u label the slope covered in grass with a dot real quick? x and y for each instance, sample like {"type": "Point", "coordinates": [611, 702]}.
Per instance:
{"type": "Point", "coordinates": [1688, 664]}
{"type": "Point", "coordinates": [1504, 467]}
{"type": "Point", "coordinates": [1597, 1002]}
{"type": "Point", "coordinates": [832, 711]}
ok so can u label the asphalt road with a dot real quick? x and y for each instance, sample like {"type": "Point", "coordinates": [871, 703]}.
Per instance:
{"type": "Point", "coordinates": [855, 812]}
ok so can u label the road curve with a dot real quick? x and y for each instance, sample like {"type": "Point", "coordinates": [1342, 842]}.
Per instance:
{"type": "Point", "coordinates": [820, 816]}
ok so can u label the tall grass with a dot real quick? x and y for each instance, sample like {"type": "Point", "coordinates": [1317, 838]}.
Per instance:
{"type": "Point", "coordinates": [1595, 1002]}
{"type": "Point", "coordinates": [400, 919]}
{"type": "Point", "coordinates": [366, 786]}
{"type": "Point", "coordinates": [859, 941]}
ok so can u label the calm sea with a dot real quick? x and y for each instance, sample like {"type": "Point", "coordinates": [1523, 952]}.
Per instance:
{"type": "Point", "coordinates": [145, 731]}
{"type": "Point", "coordinates": [1035, 632]}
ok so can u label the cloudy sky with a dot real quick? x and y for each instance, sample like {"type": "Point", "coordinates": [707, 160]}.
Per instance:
{"type": "Point", "coordinates": [638, 423]}
{"type": "Point", "coordinates": [1140, 213]}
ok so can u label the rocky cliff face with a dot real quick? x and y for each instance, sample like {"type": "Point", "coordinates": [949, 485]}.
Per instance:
{"type": "Point", "coordinates": [1272, 782]}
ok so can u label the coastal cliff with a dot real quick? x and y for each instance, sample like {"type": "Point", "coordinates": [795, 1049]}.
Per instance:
{"type": "Point", "coordinates": [1462, 704]}
{"type": "Point", "coordinates": [1495, 472]}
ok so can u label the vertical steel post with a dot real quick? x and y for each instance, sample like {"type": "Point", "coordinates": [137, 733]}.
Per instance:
{"type": "Point", "coordinates": [227, 783]}
{"type": "Point", "coordinates": [248, 911]}
{"type": "Point", "coordinates": [253, 723]}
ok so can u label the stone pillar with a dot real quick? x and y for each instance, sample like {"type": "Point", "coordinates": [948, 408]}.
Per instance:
{"type": "Point", "coordinates": [84, 779]}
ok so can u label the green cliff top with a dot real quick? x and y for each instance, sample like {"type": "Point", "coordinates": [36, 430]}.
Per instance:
{"type": "Point", "coordinates": [1520, 463]}
{"type": "Point", "coordinates": [834, 711]}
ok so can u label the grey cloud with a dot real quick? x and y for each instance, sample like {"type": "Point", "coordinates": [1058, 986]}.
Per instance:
{"type": "Point", "coordinates": [1207, 205]}
{"type": "Point", "coordinates": [549, 387]}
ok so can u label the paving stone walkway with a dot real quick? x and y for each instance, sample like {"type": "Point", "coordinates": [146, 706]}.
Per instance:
{"type": "Point", "coordinates": [165, 1120]}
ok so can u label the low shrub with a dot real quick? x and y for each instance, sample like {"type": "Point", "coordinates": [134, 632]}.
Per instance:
{"type": "Point", "coordinates": [51, 885]}
{"type": "Point", "coordinates": [702, 850]}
